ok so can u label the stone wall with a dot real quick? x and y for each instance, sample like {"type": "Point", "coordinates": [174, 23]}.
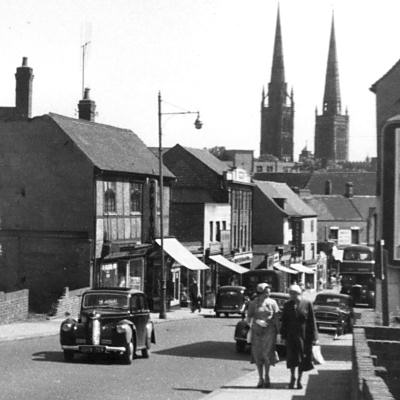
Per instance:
{"type": "Point", "coordinates": [14, 306]}
{"type": "Point", "coordinates": [69, 302]}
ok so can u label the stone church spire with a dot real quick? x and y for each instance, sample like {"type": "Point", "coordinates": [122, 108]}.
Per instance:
{"type": "Point", "coordinates": [331, 127]}
{"type": "Point", "coordinates": [278, 115]}
{"type": "Point", "coordinates": [278, 68]}
{"type": "Point", "coordinates": [332, 102]}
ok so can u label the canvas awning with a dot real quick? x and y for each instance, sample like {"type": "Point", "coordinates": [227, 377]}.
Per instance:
{"type": "Point", "coordinates": [181, 254]}
{"type": "Point", "coordinates": [302, 268]}
{"type": "Point", "coordinates": [282, 268]}
{"type": "Point", "coordinates": [221, 260]}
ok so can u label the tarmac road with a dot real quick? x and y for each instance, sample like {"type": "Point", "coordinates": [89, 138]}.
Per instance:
{"type": "Point", "coordinates": [191, 359]}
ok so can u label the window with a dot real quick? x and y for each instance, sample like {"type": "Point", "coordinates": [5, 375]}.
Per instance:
{"type": "Point", "coordinates": [218, 231]}
{"type": "Point", "coordinates": [224, 225]}
{"type": "Point", "coordinates": [270, 168]}
{"type": "Point", "coordinates": [303, 251]}
{"type": "Point", "coordinates": [312, 226]}
{"type": "Point", "coordinates": [110, 205]}
{"type": "Point", "coordinates": [211, 231]}
{"type": "Point", "coordinates": [355, 236]}
{"type": "Point", "coordinates": [302, 225]}
{"type": "Point", "coordinates": [333, 233]}
{"type": "Point", "coordinates": [259, 168]}
{"type": "Point", "coordinates": [312, 250]}
{"type": "Point", "coordinates": [136, 197]}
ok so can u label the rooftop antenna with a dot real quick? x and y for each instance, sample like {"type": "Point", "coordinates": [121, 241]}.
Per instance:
{"type": "Point", "coordinates": [86, 41]}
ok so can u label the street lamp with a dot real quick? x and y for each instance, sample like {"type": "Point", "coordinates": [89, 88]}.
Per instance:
{"type": "Point", "coordinates": [198, 125]}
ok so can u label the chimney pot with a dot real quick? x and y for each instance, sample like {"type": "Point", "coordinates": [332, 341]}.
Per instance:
{"type": "Point", "coordinates": [87, 107]}
{"type": "Point", "coordinates": [23, 89]}
{"type": "Point", "coordinates": [24, 61]}
{"type": "Point", "coordinates": [86, 95]}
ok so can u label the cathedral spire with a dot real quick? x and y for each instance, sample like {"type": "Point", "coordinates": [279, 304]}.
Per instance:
{"type": "Point", "coordinates": [332, 102]}
{"type": "Point", "coordinates": [278, 69]}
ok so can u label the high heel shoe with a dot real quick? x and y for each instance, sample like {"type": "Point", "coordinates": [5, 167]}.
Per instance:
{"type": "Point", "coordinates": [291, 384]}
{"type": "Point", "coordinates": [299, 385]}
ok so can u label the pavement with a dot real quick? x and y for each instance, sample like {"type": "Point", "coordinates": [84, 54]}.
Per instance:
{"type": "Point", "coordinates": [35, 328]}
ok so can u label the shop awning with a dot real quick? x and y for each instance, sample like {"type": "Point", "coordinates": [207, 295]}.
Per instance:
{"type": "Point", "coordinates": [181, 254]}
{"type": "Point", "coordinates": [221, 260]}
{"type": "Point", "coordinates": [282, 268]}
{"type": "Point", "coordinates": [302, 268]}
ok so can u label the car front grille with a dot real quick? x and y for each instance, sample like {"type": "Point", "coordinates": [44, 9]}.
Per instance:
{"type": "Point", "coordinates": [326, 316]}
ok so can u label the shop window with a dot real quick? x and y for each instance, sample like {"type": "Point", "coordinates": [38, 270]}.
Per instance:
{"type": "Point", "coordinates": [110, 203]}
{"type": "Point", "coordinates": [136, 197]}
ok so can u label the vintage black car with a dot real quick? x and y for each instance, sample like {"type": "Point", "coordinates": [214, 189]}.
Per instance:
{"type": "Point", "coordinates": [230, 300]}
{"type": "Point", "coordinates": [115, 320]}
{"type": "Point", "coordinates": [334, 311]}
{"type": "Point", "coordinates": [242, 328]}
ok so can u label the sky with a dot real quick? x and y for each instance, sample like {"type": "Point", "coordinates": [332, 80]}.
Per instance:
{"type": "Point", "coordinates": [212, 56]}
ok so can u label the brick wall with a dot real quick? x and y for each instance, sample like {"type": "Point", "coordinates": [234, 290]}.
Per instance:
{"type": "Point", "coordinates": [14, 306]}
{"type": "Point", "coordinates": [376, 351]}
{"type": "Point", "coordinates": [69, 302]}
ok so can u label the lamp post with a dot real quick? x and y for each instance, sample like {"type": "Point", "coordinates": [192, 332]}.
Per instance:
{"type": "Point", "coordinates": [198, 125]}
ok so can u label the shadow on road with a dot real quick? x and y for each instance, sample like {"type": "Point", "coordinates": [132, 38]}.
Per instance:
{"type": "Point", "coordinates": [274, 385]}
{"type": "Point", "coordinates": [204, 391]}
{"type": "Point", "coordinates": [328, 385]}
{"type": "Point", "coordinates": [58, 356]}
{"type": "Point", "coordinates": [208, 349]}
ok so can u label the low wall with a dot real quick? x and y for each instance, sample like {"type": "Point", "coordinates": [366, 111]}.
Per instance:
{"type": "Point", "coordinates": [69, 302]}
{"type": "Point", "coordinates": [14, 306]}
{"type": "Point", "coordinates": [376, 350]}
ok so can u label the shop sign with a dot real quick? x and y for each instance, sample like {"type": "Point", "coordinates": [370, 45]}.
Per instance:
{"type": "Point", "coordinates": [344, 237]}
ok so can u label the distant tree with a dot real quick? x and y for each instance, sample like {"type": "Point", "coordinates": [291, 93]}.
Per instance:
{"type": "Point", "coordinates": [218, 151]}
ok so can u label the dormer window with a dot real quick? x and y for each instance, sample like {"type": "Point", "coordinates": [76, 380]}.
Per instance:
{"type": "Point", "coordinates": [110, 203]}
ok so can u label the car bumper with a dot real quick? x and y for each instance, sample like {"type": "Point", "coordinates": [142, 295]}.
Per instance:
{"type": "Point", "coordinates": [329, 325]}
{"type": "Point", "coordinates": [85, 348]}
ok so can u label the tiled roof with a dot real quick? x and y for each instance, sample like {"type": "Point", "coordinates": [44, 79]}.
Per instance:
{"type": "Point", "coordinates": [374, 85]}
{"type": "Point", "coordinates": [110, 148]}
{"type": "Point", "coordinates": [363, 204]}
{"type": "Point", "coordinates": [294, 205]}
{"type": "Point", "coordinates": [364, 183]}
{"type": "Point", "coordinates": [334, 208]}
{"type": "Point", "coordinates": [208, 159]}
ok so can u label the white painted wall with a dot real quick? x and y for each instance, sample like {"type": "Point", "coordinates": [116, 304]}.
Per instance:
{"type": "Point", "coordinates": [215, 212]}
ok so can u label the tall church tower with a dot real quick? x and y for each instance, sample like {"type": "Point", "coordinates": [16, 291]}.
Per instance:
{"type": "Point", "coordinates": [332, 127]}
{"type": "Point", "coordinates": [277, 108]}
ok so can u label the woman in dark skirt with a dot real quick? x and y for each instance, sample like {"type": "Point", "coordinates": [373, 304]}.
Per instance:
{"type": "Point", "coordinates": [299, 330]}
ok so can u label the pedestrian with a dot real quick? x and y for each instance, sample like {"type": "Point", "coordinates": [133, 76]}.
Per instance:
{"type": "Point", "coordinates": [262, 316]}
{"type": "Point", "coordinates": [195, 297]}
{"type": "Point", "coordinates": [299, 330]}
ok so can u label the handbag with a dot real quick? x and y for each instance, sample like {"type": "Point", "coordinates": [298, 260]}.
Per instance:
{"type": "Point", "coordinates": [317, 355]}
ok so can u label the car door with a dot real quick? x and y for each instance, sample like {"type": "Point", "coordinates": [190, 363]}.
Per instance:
{"type": "Point", "coordinates": [140, 316]}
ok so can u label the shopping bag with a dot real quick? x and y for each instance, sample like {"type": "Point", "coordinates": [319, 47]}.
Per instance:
{"type": "Point", "coordinates": [248, 336]}
{"type": "Point", "coordinates": [317, 355]}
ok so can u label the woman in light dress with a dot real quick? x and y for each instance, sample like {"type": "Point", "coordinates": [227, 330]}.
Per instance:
{"type": "Point", "coordinates": [262, 316]}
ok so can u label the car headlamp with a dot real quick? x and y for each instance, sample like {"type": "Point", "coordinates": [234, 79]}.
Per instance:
{"type": "Point", "coordinates": [67, 326]}
{"type": "Point", "coordinates": [122, 328]}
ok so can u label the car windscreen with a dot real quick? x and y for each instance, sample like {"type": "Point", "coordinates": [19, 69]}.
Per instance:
{"type": "Point", "coordinates": [333, 301]}
{"type": "Point", "coordinates": [106, 300]}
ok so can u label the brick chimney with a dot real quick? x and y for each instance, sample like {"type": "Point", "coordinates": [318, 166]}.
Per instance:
{"type": "Point", "coordinates": [328, 187]}
{"type": "Point", "coordinates": [349, 189]}
{"type": "Point", "coordinates": [87, 107]}
{"type": "Point", "coordinates": [23, 89]}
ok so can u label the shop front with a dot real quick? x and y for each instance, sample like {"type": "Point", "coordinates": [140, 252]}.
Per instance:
{"type": "Point", "coordinates": [306, 275]}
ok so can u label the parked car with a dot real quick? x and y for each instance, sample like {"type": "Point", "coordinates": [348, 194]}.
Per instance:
{"type": "Point", "coordinates": [334, 311]}
{"type": "Point", "coordinates": [113, 321]}
{"type": "Point", "coordinates": [242, 328]}
{"type": "Point", "coordinates": [230, 300]}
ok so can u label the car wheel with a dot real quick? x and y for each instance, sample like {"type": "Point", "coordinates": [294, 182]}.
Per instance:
{"type": "Point", "coordinates": [127, 357]}
{"type": "Point", "coordinates": [217, 314]}
{"type": "Point", "coordinates": [68, 355]}
{"type": "Point", "coordinates": [240, 346]}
